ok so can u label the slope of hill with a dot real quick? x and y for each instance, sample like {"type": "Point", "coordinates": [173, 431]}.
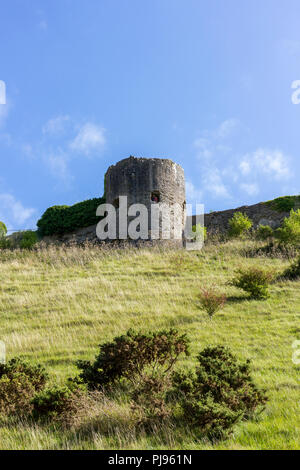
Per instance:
{"type": "Point", "coordinates": [58, 304]}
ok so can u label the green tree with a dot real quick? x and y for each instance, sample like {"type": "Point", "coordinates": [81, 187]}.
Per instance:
{"type": "Point", "coordinates": [290, 231]}
{"type": "Point", "coordinates": [239, 224]}
{"type": "Point", "coordinates": [3, 230]}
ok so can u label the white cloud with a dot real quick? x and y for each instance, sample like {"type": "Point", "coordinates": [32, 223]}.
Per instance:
{"type": "Point", "coordinates": [209, 146]}
{"type": "Point", "coordinates": [71, 141]}
{"type": "Point", "coordinates": [226, 128]}
{"type": "Point", "coordinates": [211, 141]}
{"type": "Point", "coordinates": [214, 183]}
{"type": "Point", "coordinates": [56, 125]}
{"type": "Point", "coordinates": [13, 213]}
{"type": "Point", "coordinates": [245, 167]}
{"type": "Point", "coordinates": [273, 163]}
{"type": "Point", "coordinates": [250, 188]}
{"type": "Point", "coordinates": [193, 194]}
{"type": "Point", "coordinates": [203, 147]}
{"type": "Point", "coordinates": [90, 138]}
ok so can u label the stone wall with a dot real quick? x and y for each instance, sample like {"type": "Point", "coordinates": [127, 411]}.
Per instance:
{"type": "Point", "coordinates": [260, 213]}
{"type": "Point", "coordinates": [148, 181]}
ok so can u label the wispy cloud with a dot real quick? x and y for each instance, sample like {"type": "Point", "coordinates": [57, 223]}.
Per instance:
{"type": "Point", "coordinates": [272, 163]}
{"type": "Point", "coordinates": [226, 128]}
{"type": "Point", "coordinates": [223, 172]}
{"type": "Point", "coordinates": [209, 146]}
{"type": "Point", "coordinates": [14, 214]}
{"type": "Point", "coordinates": [62, 141]}
{"type": "Point", "coordinates": [250, 188]}
{"type": "Point", "coordinates": [56, 125]}
{"type": "Point", "coordinates": [214, 184]}
{"type": "Point", "coordinates": [90, 138]}
{"type": "Point", "coordinates": [193, 194]}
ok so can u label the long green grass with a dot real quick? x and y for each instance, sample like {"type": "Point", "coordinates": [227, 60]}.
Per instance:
{"type": "Point", "coordinates": [57, 304]}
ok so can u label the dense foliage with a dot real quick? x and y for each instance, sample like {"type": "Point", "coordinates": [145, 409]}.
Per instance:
{"type": "Point", "coordinates": [210, 400]}
{"type": "Point", "coordinates": [19, 381]}
{"type": "Point", "coordinates": [264, 232]}
{"type": "Point", "coordinates": [55, 402]}
{"type": "Point", "coordinates": [28, 239]}
{"type": "Point", "coordinates": [133, 355]}
{"type": "Point", "coordinates": [293, 271]}
{"type": "Point", "coordinates": [64, 219]}
{"type": "Point", "coordinates": [253, 280]}
{"type": "Point", "coordinates": [284, 203]}
{"type": "Point", "coordinates": [3, 229]}
{"type": "Point", "coordinates": [289, 233]}
{"type": "Point", "coordinates": [218, 394]}
{"type": "Point", "coordinates": [239, 224]}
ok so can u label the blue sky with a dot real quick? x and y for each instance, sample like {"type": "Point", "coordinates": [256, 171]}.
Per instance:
{"type": "Point", "coordinates": [206, 83]}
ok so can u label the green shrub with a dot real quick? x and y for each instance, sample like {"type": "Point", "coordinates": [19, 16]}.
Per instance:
{"type": "Point", "coordinates": [289, 233]}
{"type": "Point", "coordinates": [293, 271]}
{"type": "Point", "coordinates": [211, 301]}
{"type": "Point", "coordinates": [19, 381]}
{"type": "Point", "coordinates": [264, 232]}
{"type": "Point", "coordinates": [3, 230]}
{"type": "Point", "coordinates": [218, 394]}
{"type": "Point", "coordinates": [16, 393]}
{"type": "Point", "coordinates": [239, 224]}
{"type": "Point", "coordinates": [55, 402]}
{"type": "Point", "coordinates": [132, 356]}
{"type": "Point", "coordinates": [255, 281]}
{"type": "Point", "coordinates": [284, 203]}
{"type": "Point", "coordinates": [5, 243]}
{"type": "Point", "coordinates": [200, 231]}
{"type": "Point", "coordinates": [64, 219]}
{"type": "Point", "coordinates": [28, 240]}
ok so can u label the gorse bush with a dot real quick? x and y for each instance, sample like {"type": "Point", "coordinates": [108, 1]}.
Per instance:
{"type": "Point", "coordinates": [239, 225]}
{"type": "Point", "coordinates": [264, 232]}
{"type": "Point", "coordinates": [132, 356]}
{"type": "Point", "coordinates": [289, 233]}
{"type": "Point", "coordinates": [293, 271]}
{"type": "Point", "coordinates": [64, 219]}
{"type": "Point", "coordinates": [145, 363]}
{"type": "Point", "coordinates": [253, 280]}
{"type": "Point", "coordinates": [208, 400]}
{"type": "Point", "coordinates": [19, 381]}
{"type": "Point", "coordinates": [211, 301]}
{"type": "Point", "coordinates": [218, 394]}
{"type": "Point", "coordinates": [56, 403]}
{"type": "Point", "coordinates": [3, 230]}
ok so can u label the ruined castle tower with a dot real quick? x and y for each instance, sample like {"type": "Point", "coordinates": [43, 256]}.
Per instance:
{"type": "Point", "coordinates": [148, 181]}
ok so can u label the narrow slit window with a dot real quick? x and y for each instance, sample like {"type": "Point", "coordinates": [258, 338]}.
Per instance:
{"type": "Point", "coordinates": [155, 197]}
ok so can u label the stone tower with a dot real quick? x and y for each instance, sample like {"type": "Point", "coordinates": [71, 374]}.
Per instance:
{"type": "Point", "coordinates": [148, 181]}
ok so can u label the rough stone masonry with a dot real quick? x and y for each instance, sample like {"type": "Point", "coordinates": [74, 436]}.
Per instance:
{"type": "Point", "coordinates": [148, 181]}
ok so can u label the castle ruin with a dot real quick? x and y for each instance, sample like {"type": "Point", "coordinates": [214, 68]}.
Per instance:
{"type": "Point", "coordinates": [148, 181]}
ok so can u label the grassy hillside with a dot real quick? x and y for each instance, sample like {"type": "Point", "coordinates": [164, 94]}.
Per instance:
{"type": "Point", "coordinates": [58, 304]}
